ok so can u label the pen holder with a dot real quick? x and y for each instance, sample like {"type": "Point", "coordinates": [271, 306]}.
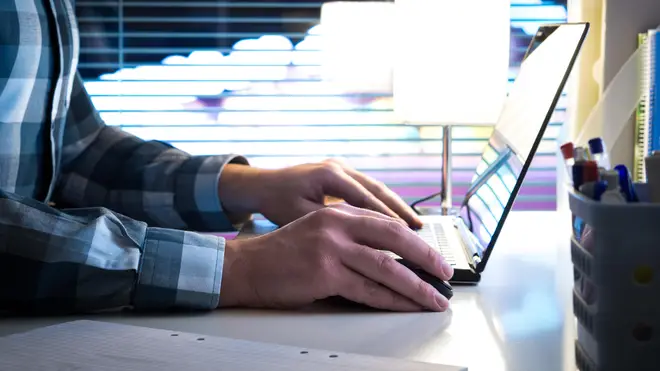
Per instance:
{"type": "Point", "coordinates": [615, 249]}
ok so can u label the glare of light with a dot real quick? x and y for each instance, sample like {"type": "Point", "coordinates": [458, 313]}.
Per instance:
{"type": "Point", "coordinates": [357, 50]}
{"type": "Point", "coordinates": [547, 13]}
{"type": "Point", "coordinates": [272, 133]}
{"type": "Point", "coordinates": [299, 100]}
{"type": "Point", "coordinates": [299, 117]}
{"type": "Point", "coordinates": [146, 103]}
{"type": "Point", "coordinates": [307, 54]}
{"type": "Point", "coordinates": [156, 118]}
{"type": "Point", "coordinates": [262, 59]}
{"type": "Point", "coordinates": [296, 102]}
{"type": "Point", "coordinates": [202, 73]}
{"type": "Point", "coordinates": [184, 80]}
{"type": "Point", "coordinates": [438, 76]}
{"type": "Point", "coordinates": [306, 148]}
{"type": "Point", "coordinates": [315, 30]}
{"type": "Point", "coordinates": [266, 50]}
{"type": "Point", "coordinates": [174, 59]}
{"type": "Point", "coordinates": [273, 83]}
{"type": "Point", "coordinates": [537, 313]}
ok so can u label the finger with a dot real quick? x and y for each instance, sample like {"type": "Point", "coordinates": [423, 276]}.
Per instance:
{"type": "Point", "coordinates": [384, 269]}
{"type": "Point", "coordinates": [352, 210]}
{"type": "Point", "coordinates": [386, 235]}
{"type": "Point", "coordinates": [344, 186]}
{"type": "Point", "coordinates": [360, 289]}
{"type": "Point", "coordinates": [387, 196]}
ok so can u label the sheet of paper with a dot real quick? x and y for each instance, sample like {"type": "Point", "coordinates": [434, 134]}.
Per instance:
{"type": "Point", "coordinates": [91, 345]}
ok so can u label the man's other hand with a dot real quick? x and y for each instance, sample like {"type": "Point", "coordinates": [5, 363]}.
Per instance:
{"type": "Point", "coordinates": [336, 251]}
{"type": "Point", "coordinates": [287, 194]}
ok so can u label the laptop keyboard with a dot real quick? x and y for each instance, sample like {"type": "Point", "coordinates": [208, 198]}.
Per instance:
{"type": "Point", "coordinates": [434, 234]}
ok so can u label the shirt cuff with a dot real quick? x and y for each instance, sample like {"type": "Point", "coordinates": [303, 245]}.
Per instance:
{"type": "Point", "coordinates": [179, 270]}
{"type": "Point", "coordinates": [206, 196]}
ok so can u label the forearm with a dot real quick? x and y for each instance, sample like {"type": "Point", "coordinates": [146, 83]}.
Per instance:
{"type": "Point", "coordinates": [147, 180]}
{"type": "Point", "coordinates": [89, 260]}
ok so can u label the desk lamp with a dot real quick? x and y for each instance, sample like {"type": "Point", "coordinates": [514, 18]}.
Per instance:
{"type": "Point", "coordinates": [452, 68]}
{"type": "Point", "coordinates": [445, 62]}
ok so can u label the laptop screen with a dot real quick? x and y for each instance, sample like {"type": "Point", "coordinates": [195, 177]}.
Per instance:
{"type": "Point", "coordinates": [518, 131]}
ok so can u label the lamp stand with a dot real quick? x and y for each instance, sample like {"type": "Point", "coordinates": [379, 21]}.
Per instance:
{"type": "Point", "coordinates": [445, 192]}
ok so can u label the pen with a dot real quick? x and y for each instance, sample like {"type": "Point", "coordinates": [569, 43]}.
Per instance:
{"type": "Point", "coordinates": [625, 183]}
{"type": "Point", "coordinates": [613, 193]}
{"type": "Point", "coordinates": [581, 154]}
{"type": "Point", "coordinates": [567, 153]}
{"type": "Point", "coordinates": [590, 171]}
{"type": "Point", "coordinates": [577, 171]}
{"type": "Point", "coordinates": [600, 188]}
{"type": "Point", "coordinates": [583, 172]}
{"type": "Point", "coordinates": [599, 152]}
{"type": "Point", "coordinates": [588, 189]}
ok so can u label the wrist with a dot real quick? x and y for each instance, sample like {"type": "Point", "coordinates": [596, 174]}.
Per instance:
{"type": "Point", "coordinates": [241, 189]}
{"type": "Point", "coordinates": [235, 283]}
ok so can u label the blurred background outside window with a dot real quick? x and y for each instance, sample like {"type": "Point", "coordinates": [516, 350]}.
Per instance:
{"type": "Point", "coordinates": [215, 77]}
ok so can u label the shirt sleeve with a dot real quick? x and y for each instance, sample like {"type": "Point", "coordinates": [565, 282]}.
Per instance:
{"type": "Point", "coordinates": [104, 166]}
{"type": "Point", "coordinates": [89, 260]}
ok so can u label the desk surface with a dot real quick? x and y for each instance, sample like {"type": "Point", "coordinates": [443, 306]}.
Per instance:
{"type": "Point", "coordinates": [518, 318]}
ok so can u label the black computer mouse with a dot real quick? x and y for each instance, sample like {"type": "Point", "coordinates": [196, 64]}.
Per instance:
{"type": "Point", "coordinates": [443, 287]}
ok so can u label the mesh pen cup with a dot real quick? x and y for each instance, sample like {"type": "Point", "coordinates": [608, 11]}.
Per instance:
{"type": "Point", "coordinates": [615, 250]}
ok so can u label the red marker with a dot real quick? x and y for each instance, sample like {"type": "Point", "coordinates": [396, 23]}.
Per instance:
{"type": "Point", "coordinates": [567, 154]}
{"type": "Point", "coordinates": [590, 171]}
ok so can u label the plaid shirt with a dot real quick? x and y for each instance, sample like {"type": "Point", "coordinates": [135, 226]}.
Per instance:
{"type": "Point", "coordinates": [55, 148]}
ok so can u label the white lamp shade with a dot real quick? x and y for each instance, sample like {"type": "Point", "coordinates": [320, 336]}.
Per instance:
{"type": "Point", "coordinates": [453, 59]}
{"type": "Point", "coordinates": [357, 45]}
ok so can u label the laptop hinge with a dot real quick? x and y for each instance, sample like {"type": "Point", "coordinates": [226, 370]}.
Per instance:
{"type": "Point", "coordinates": [470, 243]}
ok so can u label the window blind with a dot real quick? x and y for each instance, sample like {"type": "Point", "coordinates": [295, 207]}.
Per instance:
{"type": "Point", "coordinates": [214, 76]}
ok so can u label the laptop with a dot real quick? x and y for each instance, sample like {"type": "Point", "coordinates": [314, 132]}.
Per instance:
{"type": "Point", "coordinates": [467, 235]}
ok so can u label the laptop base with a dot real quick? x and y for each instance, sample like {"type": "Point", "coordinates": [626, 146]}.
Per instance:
{"type": "Point", "coordinates": [465, 277]}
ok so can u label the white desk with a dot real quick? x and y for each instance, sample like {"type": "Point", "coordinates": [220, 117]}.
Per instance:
{"type": "Point", "coordinates": [518, 318]}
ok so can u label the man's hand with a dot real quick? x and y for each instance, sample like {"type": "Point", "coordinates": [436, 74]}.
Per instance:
{"type": "Point", "coordinates": [285, 195]}
{"type": "Point", "coordinates": [333, 252]}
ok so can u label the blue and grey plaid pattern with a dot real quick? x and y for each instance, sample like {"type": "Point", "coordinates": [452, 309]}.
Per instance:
{"type": "Point", "coordinates": [54, 147]}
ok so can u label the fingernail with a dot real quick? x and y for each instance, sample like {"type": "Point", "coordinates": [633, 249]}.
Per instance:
{"type": "Point", "coordinates": [447, 269]}
{"type": "Point", "coordinates": [441, 301]}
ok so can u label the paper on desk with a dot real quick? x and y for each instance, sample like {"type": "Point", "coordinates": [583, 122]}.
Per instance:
{"type": "Point", "coordinates": [91, 345]}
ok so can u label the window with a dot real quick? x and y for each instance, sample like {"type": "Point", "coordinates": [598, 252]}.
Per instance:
{"type": "Point", "coordinates": [216, 76]}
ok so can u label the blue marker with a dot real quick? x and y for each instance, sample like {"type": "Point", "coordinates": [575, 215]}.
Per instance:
{"type": "Point", "coordinates": [625, 183]}
{"type": "Point", "coordinates": [599, 152]}
{"type": "Point", "coordinates": [578, 178]}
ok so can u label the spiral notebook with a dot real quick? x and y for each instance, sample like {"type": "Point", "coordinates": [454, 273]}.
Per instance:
{"type": "Point", "coordinates": [647, 118]}
{"type": "Point", "coordinates": [91, 345]}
